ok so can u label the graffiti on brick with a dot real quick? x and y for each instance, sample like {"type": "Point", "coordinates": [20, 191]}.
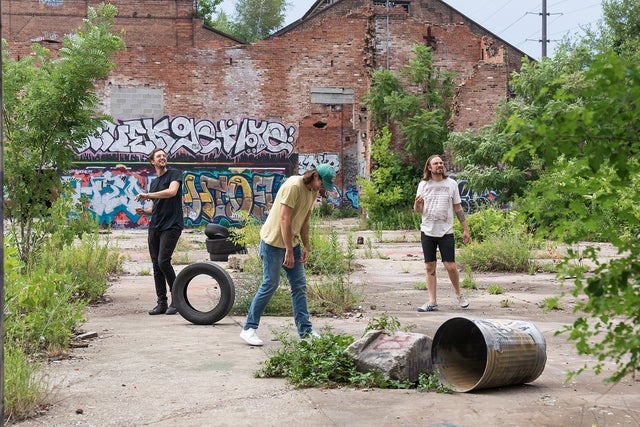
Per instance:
{"type": "Point", "coordinates": [111, 193]}
{"type": "Point", "coordinates": [208, 196]}
{"type": "Point", "coordinates": [186, 139]}
{"type": "Point", "coordinates": [308, 161]}
{"type": "Point", "coordinates": [473, 202]}
{"type": "Point", "coordinates": [218, 196]}
{"type": "Point", "coordinates": [351, 197]}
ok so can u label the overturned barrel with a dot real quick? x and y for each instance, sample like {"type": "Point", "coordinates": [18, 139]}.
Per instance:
{"type": "Point", "coordinates": [472, 354]}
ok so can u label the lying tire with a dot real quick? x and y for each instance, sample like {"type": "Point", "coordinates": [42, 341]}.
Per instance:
{"type": "Point", "coordinates": [203, 293]}
{"type": "Point", "coordinates": [222, 246]}
{"type": "Point", "coordinates": [216, 231]}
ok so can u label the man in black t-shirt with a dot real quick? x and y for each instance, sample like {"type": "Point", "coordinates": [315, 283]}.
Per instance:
{"type": "Point", "coordinates": [165, 226]}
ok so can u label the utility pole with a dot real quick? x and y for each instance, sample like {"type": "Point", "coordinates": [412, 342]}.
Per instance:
{"type": "Point", "coordinates": [1, 245]}
{"type": "Point", "coordinates": [544, 39]}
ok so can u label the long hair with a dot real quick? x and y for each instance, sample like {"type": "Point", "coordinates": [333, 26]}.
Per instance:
{"type": "Point", "coordinates": [426, 173]}
{"type": "Point", "coordinates": [309, 176]}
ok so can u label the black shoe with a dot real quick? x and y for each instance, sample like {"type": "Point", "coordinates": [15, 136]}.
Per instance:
{"type": "Point", "coordinates": [171, 310]}
{"type": "Point", "coordinates": [158, 309]}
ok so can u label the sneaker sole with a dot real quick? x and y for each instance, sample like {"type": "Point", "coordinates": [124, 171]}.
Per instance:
{"type": "Point", "coordinates": [429, 308]}
{"type": "Point", "coordinates": [250, 343]}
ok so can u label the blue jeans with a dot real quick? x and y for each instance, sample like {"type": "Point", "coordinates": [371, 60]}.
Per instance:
{"type": "Point", "coordinates": [272, 259]}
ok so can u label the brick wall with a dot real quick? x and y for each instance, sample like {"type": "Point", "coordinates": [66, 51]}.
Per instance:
{"type": "Point", "coordinates": [204, 75]}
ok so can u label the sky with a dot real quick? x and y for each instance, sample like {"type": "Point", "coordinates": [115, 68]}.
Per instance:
{"type": "Point", "coordinates": [518, 22]}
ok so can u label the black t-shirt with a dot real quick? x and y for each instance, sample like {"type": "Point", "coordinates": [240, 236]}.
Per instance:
{"type": "Point", "coordinates": [167, 213]}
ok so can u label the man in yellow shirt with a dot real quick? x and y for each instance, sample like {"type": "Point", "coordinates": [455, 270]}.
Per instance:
{"type": "Point", "coordinates": [284, 243]}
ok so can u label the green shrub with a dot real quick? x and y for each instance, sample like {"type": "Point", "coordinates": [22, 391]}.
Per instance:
{"type": "Point", "coordinates": [324, 362]}
{"type": "Point", "coordinates": [42, 311]}
{"type": "Point", "coordinates": [316, 362]}
{"type": "Point", "coordinates": [486, 224]}
{"type": "Point", "coordinates": [89, 262]}
{"type": "Point", "coordinates": [345, 213]}
{"type": "Point", "coordinates": [507, 252]}
{"type": "Point", "coordinates": [386, 323]}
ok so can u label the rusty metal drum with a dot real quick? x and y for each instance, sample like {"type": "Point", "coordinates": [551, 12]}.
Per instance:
{"type": "Point", "coordinates": [471, 354]}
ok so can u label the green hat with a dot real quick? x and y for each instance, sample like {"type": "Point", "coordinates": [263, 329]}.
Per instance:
{"type": "Point", "coordinates": [327, 174]}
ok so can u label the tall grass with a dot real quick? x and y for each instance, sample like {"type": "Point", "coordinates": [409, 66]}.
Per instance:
{"type": "Point", "coordinates": [328, 269]}
{"type": "Point", "coordinates": [44, 307]}
{"type": "Point", "coordinates": [25, 388]}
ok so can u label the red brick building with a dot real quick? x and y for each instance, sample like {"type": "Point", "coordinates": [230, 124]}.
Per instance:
{"type": "Point", "coordinates": [237, 118]}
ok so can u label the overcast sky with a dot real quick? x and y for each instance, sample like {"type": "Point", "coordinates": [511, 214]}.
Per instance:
{"type": "Point", "coordinates": [519, 22]}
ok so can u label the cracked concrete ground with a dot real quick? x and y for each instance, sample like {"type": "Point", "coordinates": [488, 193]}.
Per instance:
{"type": "Point", "coordinates": [146, 370]}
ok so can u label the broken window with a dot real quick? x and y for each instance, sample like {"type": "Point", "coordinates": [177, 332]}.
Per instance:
{"type": "Point", "coordinates": [404, 4]}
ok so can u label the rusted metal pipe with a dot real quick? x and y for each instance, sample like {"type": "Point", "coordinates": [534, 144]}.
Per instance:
{"type": "Point", "coordinates": [472, 354]}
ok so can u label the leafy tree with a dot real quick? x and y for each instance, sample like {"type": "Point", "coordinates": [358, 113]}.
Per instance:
{"type": "Point", "coordinates": [391, 187]}
{"type": "Point", "coordinates": [622, 19]}
{"type": "Point", "coordinates": [206, 10]}
{"type": "Point", "coordinates": [49, 108]}
{"type": "Point", "coordinates": [222, 23]}
{"type": "Point", "coordinates": [481, 154]}
{"type": "Point", "coordinates": [256, 19]}
{"type": "Point", "coordinates": [592, 132]}
{"type": "Point", "coordinates": [418, 105]}
{"type": "Point", "coordinates": [421, 112]}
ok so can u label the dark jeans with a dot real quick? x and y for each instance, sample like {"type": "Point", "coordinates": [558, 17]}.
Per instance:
{"type": "Point", "coordinates": [161, 247]}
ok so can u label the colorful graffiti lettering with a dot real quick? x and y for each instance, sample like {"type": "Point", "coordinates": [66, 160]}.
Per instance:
{"type": "Point", "coordinates": [472, 202]}
{"type": "Point", "coordinates": [308, 161]}
{"type": "Point", "coordinates": [186, 139]}
{"type": "Point", "coordinates": [208, 196]}
{"type": "Point", "coordinates": [217, 197]}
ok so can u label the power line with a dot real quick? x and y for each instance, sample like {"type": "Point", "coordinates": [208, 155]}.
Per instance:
{"type": "Point", "coordinates": [496, 12]}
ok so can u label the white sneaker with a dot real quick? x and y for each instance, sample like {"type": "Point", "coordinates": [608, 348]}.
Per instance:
{"type": "Point", "coordinates": [311, 336]}
{"type": "Point", "coordinates": [251, 337]}
{"type": "Point", "coordinates": [463, 301]}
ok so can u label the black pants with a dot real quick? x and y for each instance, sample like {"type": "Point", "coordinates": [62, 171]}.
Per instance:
{"type": "Point", "coordinates": [161, 247]}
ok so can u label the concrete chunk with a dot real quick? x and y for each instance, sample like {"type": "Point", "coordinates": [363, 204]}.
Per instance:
{"type": "Point", "coordinates": [401, 356]}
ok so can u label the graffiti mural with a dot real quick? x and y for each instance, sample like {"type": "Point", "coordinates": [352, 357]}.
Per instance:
{"type": "Point", "coordinates": [227, 166]}
{"type": "Point", "coordinates": [472, 202]}
{"type": "Point", "coordinates": [208, 196]}
{"type": "Point", "coordinates": [186, 140]}
{"type": "Point", "coordinates": [111, 193]}
{"type": "Point", "coordinates": [308, 161]}
{"type": "Point", "coordinates": [218, 196]}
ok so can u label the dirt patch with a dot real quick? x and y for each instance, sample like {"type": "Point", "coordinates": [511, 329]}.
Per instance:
{"type": "Point", "coordinates": [164, 371]}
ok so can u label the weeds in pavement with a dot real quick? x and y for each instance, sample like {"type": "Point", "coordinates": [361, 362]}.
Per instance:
{"type": "Point", "coordinates": [495, 289]}
{"type": "Point", "coordinates": [325, 362]}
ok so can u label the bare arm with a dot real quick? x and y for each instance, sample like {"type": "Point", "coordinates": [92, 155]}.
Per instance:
{"type": "Point", "coordinates": [466, 234]}
{"type": "Point", "coordinates": [286, 213]}
{"type": "Point", "coordinates": [418, 204]}
{"type": "Point", "coordinates": [304, 235]}
{"type": "Point", "coordinates": [167, 193]}
{"type": "Point", "coordinates": [143, 211]}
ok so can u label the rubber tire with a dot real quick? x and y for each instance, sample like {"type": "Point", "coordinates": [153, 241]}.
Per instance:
{"type": "Point", "coordinates": [216, 231]}
{"type": "Point", "coordinates": [181, 301]}
{"type": "Point", "coordinates": [222, 246]}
